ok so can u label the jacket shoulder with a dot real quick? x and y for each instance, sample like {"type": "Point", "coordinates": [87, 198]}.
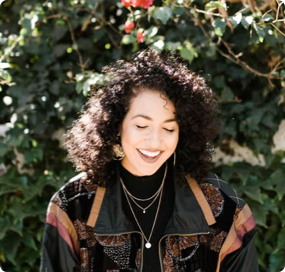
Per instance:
{"type": "Point", "coordinates": [224, 188]}
{"type": "Point", "coordinates": [73, 189]}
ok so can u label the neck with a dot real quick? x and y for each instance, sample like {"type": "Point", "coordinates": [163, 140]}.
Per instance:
{"type": "Point", "coordinates": [142, 186]}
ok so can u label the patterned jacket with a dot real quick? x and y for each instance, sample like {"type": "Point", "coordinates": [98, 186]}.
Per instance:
{"type": "Point", "coordinates": [211, 230]}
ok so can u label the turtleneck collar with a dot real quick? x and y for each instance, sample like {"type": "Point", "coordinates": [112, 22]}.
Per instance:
{"type": "Point", "coordinates": [142, 186]}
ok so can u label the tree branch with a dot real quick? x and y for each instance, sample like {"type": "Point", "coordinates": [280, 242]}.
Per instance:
{"type": "Point", "coordinates": [9, 49]}
{"type": "Point", "coordinates": [277, 29]}
{"type": "Point", "coordinates": [231, 55]}
{"type": "Point", "coordinates": [75, 43]}
{"type": "Point", "coordinates": [87, 22]}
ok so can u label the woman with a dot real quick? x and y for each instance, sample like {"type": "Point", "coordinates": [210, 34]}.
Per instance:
{"type": "Point", "coordinates": [145, 200]}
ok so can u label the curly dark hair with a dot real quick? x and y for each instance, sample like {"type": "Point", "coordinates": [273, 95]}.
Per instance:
{"type": "Point", "coordinates": [91, 139]}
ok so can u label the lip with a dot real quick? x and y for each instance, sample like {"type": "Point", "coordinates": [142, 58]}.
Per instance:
{"type": "Point", "coordinates": [148, 159]}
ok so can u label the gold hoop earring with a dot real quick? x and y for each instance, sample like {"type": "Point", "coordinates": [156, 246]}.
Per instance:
{"type": "Point", "coordinates": [118, 150]}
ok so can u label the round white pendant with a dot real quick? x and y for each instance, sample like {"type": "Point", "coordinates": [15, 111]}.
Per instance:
{"type": "Point", "coordinates": [143, 211]}
{"type": "Point", "coordinates": [148, 245]}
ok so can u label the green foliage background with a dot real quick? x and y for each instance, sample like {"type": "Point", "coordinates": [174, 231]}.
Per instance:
{"type": "Point", "coordinates": [52, 51]}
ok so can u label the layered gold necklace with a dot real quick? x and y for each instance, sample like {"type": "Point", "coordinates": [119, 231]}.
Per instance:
{"type": "Point", "coordinates": [157, 194]}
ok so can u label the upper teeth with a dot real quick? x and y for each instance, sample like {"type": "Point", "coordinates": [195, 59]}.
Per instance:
{"type": "Point", "coordinates": [148, 153]}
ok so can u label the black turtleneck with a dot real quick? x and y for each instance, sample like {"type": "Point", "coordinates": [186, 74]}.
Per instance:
{"type": "Point", "coordinates": [144, 187]}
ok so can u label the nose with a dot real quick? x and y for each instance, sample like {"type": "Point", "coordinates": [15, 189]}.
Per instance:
{"type": "Point", "coordinates": [154, 139]}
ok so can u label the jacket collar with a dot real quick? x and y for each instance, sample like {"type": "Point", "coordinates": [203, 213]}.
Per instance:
{"type": "Point", "coordinates": [191, 214]}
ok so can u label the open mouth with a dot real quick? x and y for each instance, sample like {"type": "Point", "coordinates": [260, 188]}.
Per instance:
{"type": "Point", "coordinates": [149, 153]}
{"type": "Point", "coordinates": [149, 156]}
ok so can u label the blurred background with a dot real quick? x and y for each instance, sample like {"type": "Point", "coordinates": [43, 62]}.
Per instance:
{"type": "Point", "coordinates": [52, 52]}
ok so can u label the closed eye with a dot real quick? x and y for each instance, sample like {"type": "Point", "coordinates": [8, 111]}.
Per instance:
{"type": "Point", "coordinates": [141, 127]}
{"type": "Point", "coordinates": [169, 130]}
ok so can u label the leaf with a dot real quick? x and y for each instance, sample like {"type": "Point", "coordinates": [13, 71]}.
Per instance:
{"type": "Point", "coordinates": [30, 256]}
{"type": "Point", "coordinates": [58, 32]}
{"type": "Point", "coordinates": [220, 26]}
{"type": "Point", "coordinates": [277, 180]}
{"type": "Point", "coordinates": [80, 77]}
{"type": "Point", "coordinates": [271, 204]}
{"type": "Point", "coordinates": [10, 244]}
{"type": "Point", "coordinates": [4, 65]}
{"type": "Point", "coordinates": [93, 2]}
{"type": "Point", "coordinates": [162, 14]}
{"type": "Point", "coordinates": [260, 32]}
{"type": "Point", "coordinates": [178, 11]}
{"type": "Point", "coordinates": [136, 15]}
{"type": "Point", "coordinates": [98, 79]}
{"type": "Point", "coordinates": [159, 45]}
{"type": "Point", "coordinates": [188, 52]}
{"type": "Point", "coordinates": [219, 82]}
{"type": "Point", "coordinates": [215, 4]}
{"type": "Point", "coordinates": [151, 32]}
{"type": "Point", "coordinates": [267, 17]}
{"type": "Point", "coordinates": [129, 38]}
{"type": "Point", "coordinates": [29, 241]}
{"type": "Point", "coordinates": [5, 75]}
{"type": "Point", "coordinates": [254, 193]}
{"type": "Point", "coordinates": [259, 213]}
{"type": "Point", "coordinates": [27, 27]}
{"type": "Point", "coordinates": [3, 149]}
{"type": "Point", "coordinates": [227, 94]}
{"type": "Point", "coordinates": [172, 46]}
{"type": "Point", "coordinates": [16, 139]}
{"type": "Point", "coordinates": [86, 87]}
{"type": "Point", "coordinates": [282, 218]}
{"type": "Point", "coordinates": [35, 153]}
{"type": "Point", "coordinates": [79, 87]}
{"type": "Point", "coordinates": [281, 239]}
{"type": "Point", "coordinates": [277, 261]}
{"type": "Point", "coordinates": [60, 49]}
{"type": "Point", "coordinates": [4, 225]}
{"type": "Point", "coordinates": [18, 227]}
{"type": "Point", "coordinates": [247, 21]}
{"type": "Point", "coordinates": [268, 120]}
{"type": "Point", "coordinates": [235, 20]}
{"type": "Point", "coordinates": [242, 169]}
{"type": "Point", "coordinates": [211, 52]}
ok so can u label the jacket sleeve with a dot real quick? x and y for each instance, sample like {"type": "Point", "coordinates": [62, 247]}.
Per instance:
{"type": "Point", "coordinates": [244, 259]}
{"type": "Point", "coordinates": [60, 245]}
{"type": "Point", "coordinates": [238, 253]}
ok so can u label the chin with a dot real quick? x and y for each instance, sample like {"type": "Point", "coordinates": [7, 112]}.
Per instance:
{"type": "Point", "coordinates": [148, 170]}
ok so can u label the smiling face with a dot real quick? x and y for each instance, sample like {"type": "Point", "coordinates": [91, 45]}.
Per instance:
{"type": "Point", "coordinates": [149, 133]}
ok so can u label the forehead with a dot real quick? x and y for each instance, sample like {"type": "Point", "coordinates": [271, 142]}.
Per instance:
{"type": "Point", "coordinates": [151, 102]}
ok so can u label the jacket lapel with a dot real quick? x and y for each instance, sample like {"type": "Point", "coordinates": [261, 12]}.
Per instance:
{"type": "Point", "coordinates": [111, 219]}
{"type": "Point", "coordinates": [191, 214]}
{"type": "Point", "coordinates": [188, 216]}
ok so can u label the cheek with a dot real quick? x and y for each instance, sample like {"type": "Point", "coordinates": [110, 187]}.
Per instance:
{"type": "Point", "coordinates": [173, 141]}
{"type": "Point", "coordinates": [129, 137]}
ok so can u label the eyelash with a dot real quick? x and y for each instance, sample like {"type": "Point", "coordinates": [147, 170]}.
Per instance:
{"type": "Point", "coordinates": [140, 127]}
{"type": "Point", "coordinates": [168, 130]}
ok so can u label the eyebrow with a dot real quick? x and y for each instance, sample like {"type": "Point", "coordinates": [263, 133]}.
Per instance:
{"type": "Point", "coordinates": [150, 119]}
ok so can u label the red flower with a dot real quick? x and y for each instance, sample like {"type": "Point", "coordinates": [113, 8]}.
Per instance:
{"type": "Point", "coordinates": [127, 3]}
{"type": "Point", "coordinates": [140, 35]}
{"type": "Point", "coordinates": [137, 3]}
{"type": "Point", "coordinates": [145, 3]}
{"type": "Point", "coordinates": [129, 25]}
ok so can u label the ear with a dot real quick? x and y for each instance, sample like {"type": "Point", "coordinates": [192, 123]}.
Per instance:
{"type": "Point", "coordinates": [119, 131]}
